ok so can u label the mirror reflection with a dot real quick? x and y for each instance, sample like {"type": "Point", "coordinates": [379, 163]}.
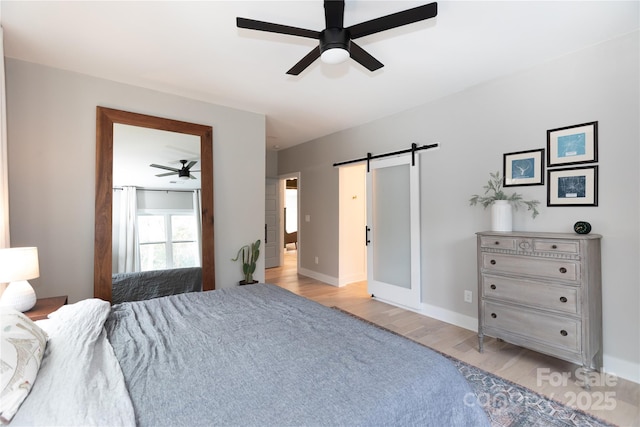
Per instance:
{"type": "Point", "coordinates": [154, 233]}
{"type": "Point", "coordinates": [156, 200]}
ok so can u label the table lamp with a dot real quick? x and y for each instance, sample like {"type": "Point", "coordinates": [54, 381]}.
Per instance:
{"type": "Point", "coordinates": [17, 265]}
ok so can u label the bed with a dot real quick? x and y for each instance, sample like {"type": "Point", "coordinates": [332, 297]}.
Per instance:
{"type": "Point", "coordinates": [251, 355]}
{"type": "Point", "coordinates": [142, 285]}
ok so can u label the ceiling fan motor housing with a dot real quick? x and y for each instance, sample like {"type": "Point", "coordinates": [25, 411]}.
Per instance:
{"type": "Point", "coordinates": [334, 38]}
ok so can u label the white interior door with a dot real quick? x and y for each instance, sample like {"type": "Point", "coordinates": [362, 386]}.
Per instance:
{"type": "Point", "coordinates": [271, 245]}
{"type": "Point", "coordinates": [393, 231]}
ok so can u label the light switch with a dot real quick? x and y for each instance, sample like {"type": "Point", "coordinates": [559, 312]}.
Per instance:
{"type": "Point", "coordinates": [307, 218]}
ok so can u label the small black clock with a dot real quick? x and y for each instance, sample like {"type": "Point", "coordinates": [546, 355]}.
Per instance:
{"type": "Point", "coordinates": [582, 227]}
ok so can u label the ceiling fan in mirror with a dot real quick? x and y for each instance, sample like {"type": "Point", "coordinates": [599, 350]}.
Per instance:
{"type": "Point", "coordinates": [183, 173]}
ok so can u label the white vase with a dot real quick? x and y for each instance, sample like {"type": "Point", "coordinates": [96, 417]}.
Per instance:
{"type": "Point", "coordinates": [501, 218]}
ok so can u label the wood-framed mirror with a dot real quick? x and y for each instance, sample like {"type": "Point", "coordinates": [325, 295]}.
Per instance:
{"type": "Point", "coordinates": [105, 120]}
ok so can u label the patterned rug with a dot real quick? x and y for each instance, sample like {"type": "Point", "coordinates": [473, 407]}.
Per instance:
{"type": "Point", "coordinates": [508, 404]}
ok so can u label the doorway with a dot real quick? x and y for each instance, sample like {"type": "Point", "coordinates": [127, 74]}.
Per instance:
{"type": "Point", "coordinates": [287, 222]}
{"type": "Point", "coordinates": [352, 198]}
{"type": "Point", "coordinates": [291, 214]}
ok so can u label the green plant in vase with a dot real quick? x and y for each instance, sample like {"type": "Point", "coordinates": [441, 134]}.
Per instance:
{"type": "Point", "coordinates": [494, 191]}
{"type": "Point", "coordinates": [249, 255]}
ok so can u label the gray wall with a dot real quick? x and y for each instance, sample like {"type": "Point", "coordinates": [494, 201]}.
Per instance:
{"type": "Point", "coordinates": [271, 164]}
{"type": "Point", "coordinates": [51, 117]}
{"type": "Point", "coordinates": [475, 127]}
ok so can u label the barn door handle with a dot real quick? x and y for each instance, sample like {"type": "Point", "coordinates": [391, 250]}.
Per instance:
{"type": "Point", "coordinates": [366, 235]}
{"type": "Point", "coordinates": [265, 234]}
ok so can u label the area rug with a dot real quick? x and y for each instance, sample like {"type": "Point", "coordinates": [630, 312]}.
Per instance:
{"type": "Point", "coordinates": [508, 404]}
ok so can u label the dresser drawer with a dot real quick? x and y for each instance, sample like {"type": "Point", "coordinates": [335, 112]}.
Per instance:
{"type": "Point", "coordinates": [549, 329]}
{"type": "Point", "coordinates": [531, 293]}
{"type": "Point", "coordinates": [567, 247]}
{"type": "Point", "coordinates": [543, 267]}
{"type": "Point", "coordinates": [498, 242]}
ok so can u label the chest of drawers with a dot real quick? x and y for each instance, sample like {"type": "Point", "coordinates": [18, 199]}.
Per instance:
{"type": "Point", "coordinates": [542, 291]}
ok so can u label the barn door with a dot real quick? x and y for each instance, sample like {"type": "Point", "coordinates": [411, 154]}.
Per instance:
{"type": "Point", "coordinates": [393, 231]}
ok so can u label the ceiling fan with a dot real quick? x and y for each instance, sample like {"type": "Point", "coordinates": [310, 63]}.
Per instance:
{"type": "Point", "coordinates": [336, 42]}
{"type": "Point", "coordinates": [183, 173]}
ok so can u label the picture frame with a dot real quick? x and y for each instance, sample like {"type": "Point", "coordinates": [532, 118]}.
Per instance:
{"type": "Point", "coordinates": [572, 145]}
{"type": "Point", "coordinates": [573, 186]}
{"type": "Point", "coordinates": [523, 168]}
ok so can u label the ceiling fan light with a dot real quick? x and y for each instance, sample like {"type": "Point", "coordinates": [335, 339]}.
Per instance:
{"type": "Point", "coordinates": [334, 55]}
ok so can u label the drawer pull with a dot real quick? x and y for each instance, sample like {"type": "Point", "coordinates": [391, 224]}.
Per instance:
{"type": "Point", "coordinates": [563, 270]}
{"type": "Point", "coordinates": [554, 246]}
{"type": "Point", "coordinates": [493, 287]}
{"type": "Point", "coordinates": [497, 243]}
{"type": "Point", "coordinates": [493, 262]}
{"type": "Point", "coordinates": [563, 333]}
{"type": "Point", "coordinates": [493, 315]}
{"type": "Point", "coordinates": [563, 299]}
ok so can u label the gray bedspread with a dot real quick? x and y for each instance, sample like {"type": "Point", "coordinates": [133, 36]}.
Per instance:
{"type": "Point", "coordinates": [144, 285]}
{"type": "Point", "coordinates": [260, 355]}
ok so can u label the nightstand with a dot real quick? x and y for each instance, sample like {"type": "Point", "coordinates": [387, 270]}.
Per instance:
{"type": "Point", "coordinates": [44, 306]}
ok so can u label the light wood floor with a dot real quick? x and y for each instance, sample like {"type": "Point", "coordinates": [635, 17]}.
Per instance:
{"type": "Point", "coordinates": [612, 399]}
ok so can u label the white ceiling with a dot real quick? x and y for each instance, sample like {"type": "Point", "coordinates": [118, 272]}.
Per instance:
{"type": "Point", "coordinates": [194, 49]}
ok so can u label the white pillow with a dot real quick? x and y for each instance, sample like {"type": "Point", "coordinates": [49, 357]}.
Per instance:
{"type": "Point", "coordinates": [22, 347]}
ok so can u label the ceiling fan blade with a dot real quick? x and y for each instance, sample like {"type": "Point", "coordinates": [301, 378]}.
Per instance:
{"type": "Point", "coordinates": [361, 56]}
{"type": "Point", "coordinates": [394, 20]}
{"type": "Point", "coordinates": [191, 163]}
{"type": "Point", "coordinates": [167, 174]}
{"type": "Point", "coordinates": [334, 13]}
{"type": "Point", "coordinates": [305, 62]}
{"type": "Point", "coordinates": [164, 167]}
{"type": "Point", "coordinates": [252, 24]}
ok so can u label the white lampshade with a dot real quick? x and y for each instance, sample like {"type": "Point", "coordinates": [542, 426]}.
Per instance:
{"type": "Point", "coordinates": [17, 265]}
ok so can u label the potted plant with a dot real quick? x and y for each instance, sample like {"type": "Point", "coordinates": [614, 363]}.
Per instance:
{"type": "Point", "coordinates": [501, 203]}
{"type": "Point", "coordinates": [250, 254]}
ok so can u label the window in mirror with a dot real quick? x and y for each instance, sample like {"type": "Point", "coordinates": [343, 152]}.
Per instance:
{"type": "Point", "coordinates": [167, 241]}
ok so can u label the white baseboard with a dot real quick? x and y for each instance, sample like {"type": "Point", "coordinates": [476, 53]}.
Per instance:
{"type": "Point", "coordinates": [448, 316]}
{"type": "Point", "coordinates": [444, 315]}
{"type": "Point", "coordinates": [343, 281]}
{"type": "Point", "coordinates": [622, 368]}
{"type": "Point", "coordinates": [330, 280]}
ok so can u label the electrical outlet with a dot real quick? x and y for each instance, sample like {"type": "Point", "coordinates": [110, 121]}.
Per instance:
{"type": "Point", "coordinates": [317, 261]}
{"type": "Point", "coordinates": [468, 296]}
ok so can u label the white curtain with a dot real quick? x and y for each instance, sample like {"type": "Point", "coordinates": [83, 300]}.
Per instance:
{"type": "Point", "coordinates": [4, 174]}
{"type": "Point", "coordinates": [197, 211]}
{"type": "Point", "coordinates": [128, 253]}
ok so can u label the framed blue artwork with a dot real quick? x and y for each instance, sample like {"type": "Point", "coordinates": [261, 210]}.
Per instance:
{"type": "Point", "coordinates": [573, 186]}
{"type": "Point", "coordinates": [572, 145]}
{"type": "Point", "coordinates": [524, 168]}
